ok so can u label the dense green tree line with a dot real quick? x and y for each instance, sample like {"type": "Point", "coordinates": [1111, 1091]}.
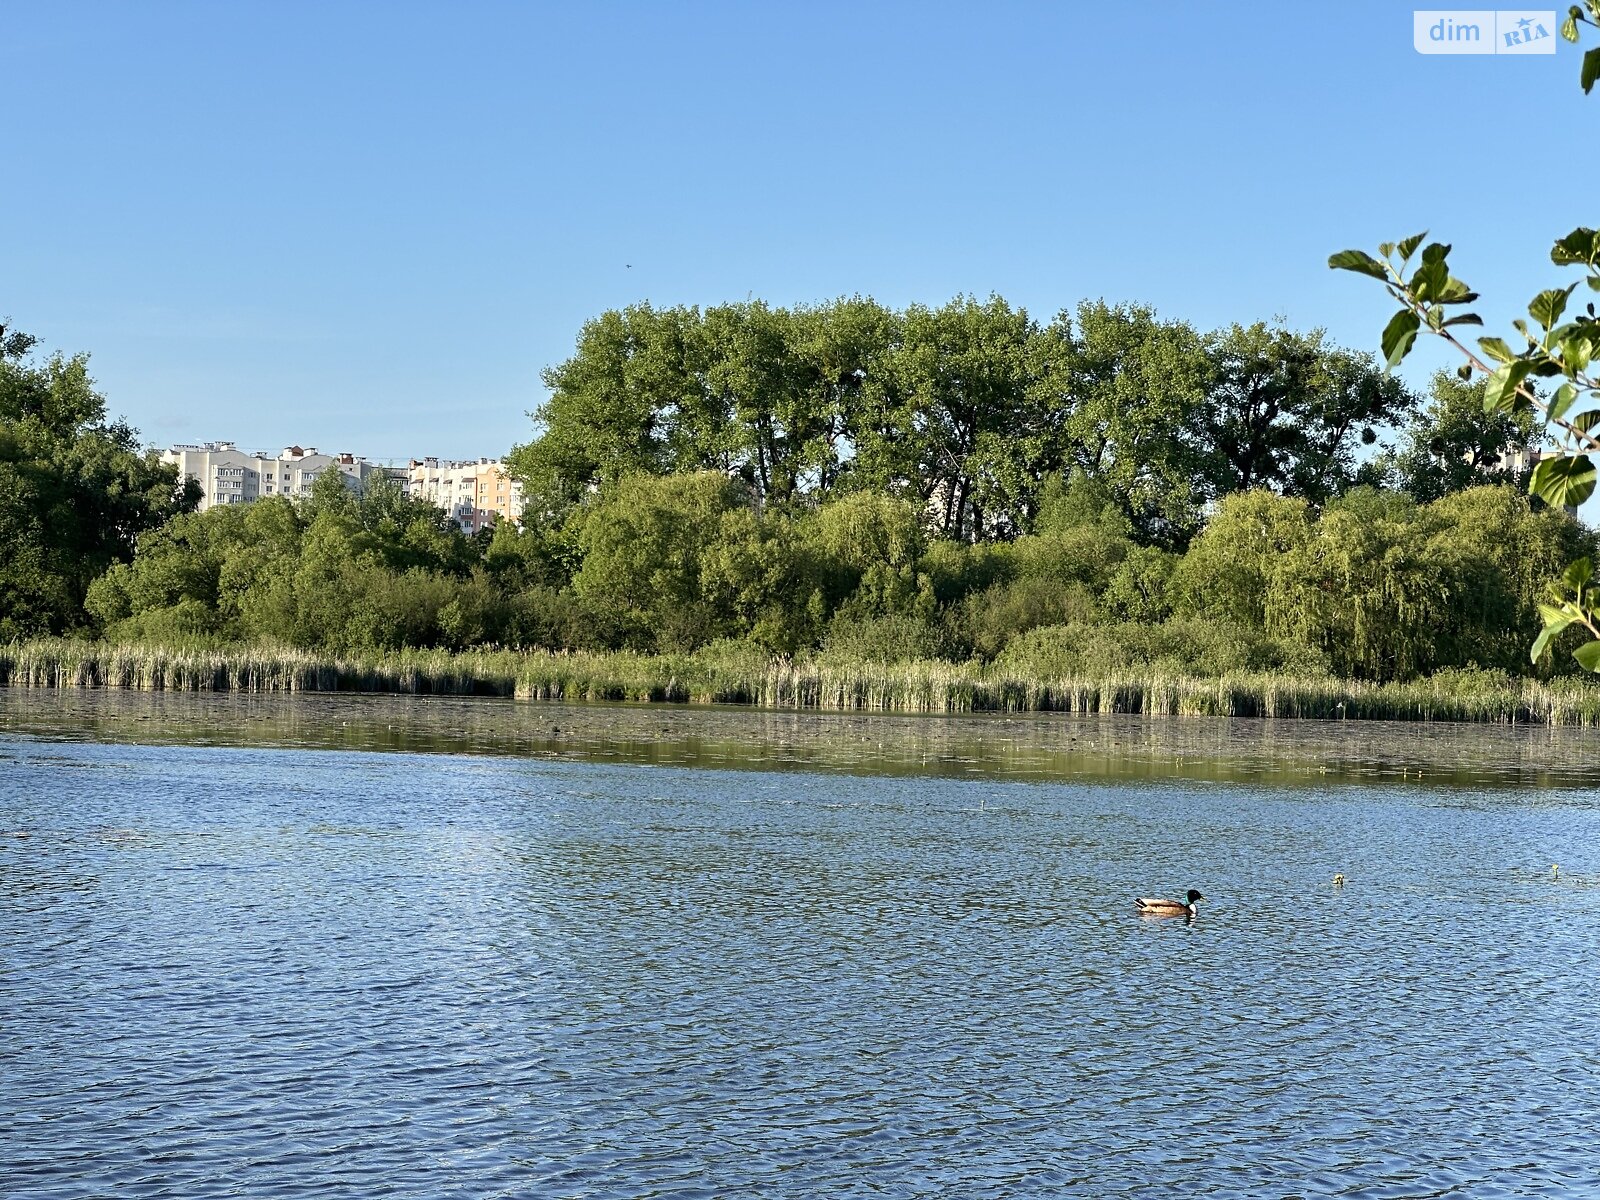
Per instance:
{"type": "Point", "coordinates": [1374, 585]}
{"type": "Point", "coordinates": [966, 410]}
{"type": "Point", "coordinates": [1108, 491]}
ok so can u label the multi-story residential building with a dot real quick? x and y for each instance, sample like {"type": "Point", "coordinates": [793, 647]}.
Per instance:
{"type": "Point", "coordinates": [474, 492]}
{"type": "Point", "coordinates": [228, 475]}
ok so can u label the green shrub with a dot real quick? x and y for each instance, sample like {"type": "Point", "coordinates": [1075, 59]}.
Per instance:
{"type": "Point", "coordinates": [885, 639]}
{"type": "Point", "coordinates": [987, 623]}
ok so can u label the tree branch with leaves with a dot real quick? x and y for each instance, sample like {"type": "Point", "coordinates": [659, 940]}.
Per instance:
{"type": "Point", "coordinates": [1556, 345]}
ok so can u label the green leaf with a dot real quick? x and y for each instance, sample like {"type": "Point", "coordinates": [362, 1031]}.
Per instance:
{"type": "Point", "coordinates": [1429, 281]}
{"type": "Point", "coordinates": [1591, 69]}
{"type": "Point", "coordinates": [1408, 246]}
{"type": "Point", "coordinates": [1563, 482]}
{"type": "Point", "coordinates": [1562, 400]}
{"type": "Point", "coordinates": [1398, 336]}
{"type": "Point", "coordinates": [1500, 393]}
{"type": "Point", "coordinates": [1464, 319]}
{"type": "Point", "coordinates": [1582, 245]}
{"type": "Point", "coordinates": [1578, 574]}
{"type": "Point", "coordinates": [1555, 621]}
{"type": "Point", "coordinates": [1435, 252]}
{"type": "Point", "coordinates": [1359, 261]}
{"type": "Point", "coordinates": [1496, 349]}
{"type": "Point", "coordinates": [1547, 307]}
{"type": "Point", "coordinates": [1569, 28]}
{"type": "Point", "coordinates": [1576, 351]}
{"type": "Point", "coordinates": [1536, 652]}
{"type": "Point", "coordinates": [1588, 654]}
{"type": "Point", "coordinates": [1386, 249]}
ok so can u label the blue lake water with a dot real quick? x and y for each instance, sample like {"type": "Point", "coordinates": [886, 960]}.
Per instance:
{"type": "Point", "coordinates": [235, 970]}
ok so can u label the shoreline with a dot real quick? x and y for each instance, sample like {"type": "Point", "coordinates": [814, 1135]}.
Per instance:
{"type": "Point", "coordinates": [924, 686]}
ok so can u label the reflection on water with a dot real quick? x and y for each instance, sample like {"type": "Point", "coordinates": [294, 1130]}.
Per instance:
{"type": "Point", "coordinates": [1036, 746]}
{"type": "Point", "coordinates": [263, 971]}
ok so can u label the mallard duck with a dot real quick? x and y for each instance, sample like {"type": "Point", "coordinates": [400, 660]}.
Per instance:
{"type": "Point", "coordinates": [1168, 908]}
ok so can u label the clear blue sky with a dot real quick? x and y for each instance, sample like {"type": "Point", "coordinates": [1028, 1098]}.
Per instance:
{"type": "Point", "coordinates": [369, 226]}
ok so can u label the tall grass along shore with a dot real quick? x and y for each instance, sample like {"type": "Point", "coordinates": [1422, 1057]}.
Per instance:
{"type": "Point", "coordinates": [720, 676]}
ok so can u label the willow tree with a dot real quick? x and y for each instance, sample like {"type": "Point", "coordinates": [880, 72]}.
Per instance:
{"type": "Point", "coordinates": [646, 544]}
{"type": "Point", "coordinates": [1229, 569]}
{"type": "Point", "coordinates": [1363, 588]}
{"type": "Point", "coordinates": [1497, 554]}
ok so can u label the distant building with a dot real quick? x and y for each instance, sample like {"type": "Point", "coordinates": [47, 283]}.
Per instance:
{"type": "Point", "coordinates": [475, 493]}
{"type": "Point", "coordinates": [228, 475]}
{"type": "Point", "coordinates": [1520, 464]}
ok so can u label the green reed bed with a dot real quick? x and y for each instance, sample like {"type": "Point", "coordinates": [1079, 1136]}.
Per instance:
{"type": "Point", "coordinates": [66, 663]}
{"type": "Point", "coordinates": [718, 675]}
{"type": "Point", "coordinates": [937, 686]}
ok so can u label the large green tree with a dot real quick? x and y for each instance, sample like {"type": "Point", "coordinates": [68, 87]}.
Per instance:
{"type": "Point", "coordinates": [962, 376]}
{"type": "Point", "coordinates": [1456, 443]}
{"type": "Point", "coordinates": [1287, 411]}
{"type": "Point", "coordinates": [631, 399]}
{"type": "Point", "coordinates": [771, 395]}
{"type": "Point", "coordinates": [75, 489]}
{"type": "Point", "coordinates": [1123, 384]}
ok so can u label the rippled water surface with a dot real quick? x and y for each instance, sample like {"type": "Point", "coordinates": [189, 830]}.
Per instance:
{"type": "Point", "coordinates": [264, 971]}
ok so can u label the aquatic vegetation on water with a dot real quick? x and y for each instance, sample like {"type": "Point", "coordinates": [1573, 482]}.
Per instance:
{"type": "Point", "coordinates": [725, 678]}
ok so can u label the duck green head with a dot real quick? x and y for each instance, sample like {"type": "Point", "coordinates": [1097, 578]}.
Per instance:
{"type": "Point", "coordinates": [1194, 895]}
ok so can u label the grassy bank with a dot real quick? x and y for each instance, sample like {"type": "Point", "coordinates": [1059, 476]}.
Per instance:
{"type": "Point", "coordinates": [718, 675]}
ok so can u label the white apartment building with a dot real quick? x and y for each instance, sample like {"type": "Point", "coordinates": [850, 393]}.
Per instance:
{"type": "Point", "coordinates": [228, 475]}
{"type": "Point", "coordinates": [474, 493]}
